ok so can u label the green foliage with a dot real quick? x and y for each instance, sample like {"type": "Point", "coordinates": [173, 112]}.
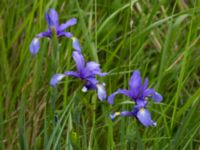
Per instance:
{"type": "Point", "coordinates": [159, 38]}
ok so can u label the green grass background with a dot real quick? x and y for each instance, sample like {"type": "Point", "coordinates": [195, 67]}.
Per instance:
{"type": "Point", "coordinates": [161, 38]}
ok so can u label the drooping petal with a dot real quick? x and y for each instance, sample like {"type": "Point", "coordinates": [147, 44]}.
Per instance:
{"type": "Point", "coordinates": [75, 44]}
{"type": "Point", "coordinates": [34, 46]}
{"type": "Point", "coordinates": [112, 116]}
{"type": "Point", "coordinates": [79, 59]}
{"type": "Point", "coordinates": [67, 24]}
{"type": "Point", "coordinates": [124, 92]}
{"type": "Point", "coordinates": [44, 34]}
{"type": "Point", "coordinates": [135, 84]}
{"type": "Point", "coordinates": [66, 34]}
{"type": "Point", "coordinates": [126, 113]}
{"type": "Point", "coordinates": [101, 92]}
{"type": "Point", "coordinates": [119, 91]}
{"type": "Point", "coordinates": [55, 79]}
{"type": "Point", "coordinates": [144, 117]}
{"type": "Point", "coordinates": [157, 97]}
{"type": "Point", "coordinates": [112, 97]}
{"type": "Point", "coordinates": [72, 73]}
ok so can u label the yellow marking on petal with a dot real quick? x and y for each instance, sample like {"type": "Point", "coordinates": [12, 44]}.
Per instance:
{"type": "Point", "coordinates": [142, 111]}
{"type": "Point", "coordinates": [117, 113]}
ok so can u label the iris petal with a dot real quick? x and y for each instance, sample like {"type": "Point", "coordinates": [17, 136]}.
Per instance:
{"type": "Point", "coordinates": [79, 59]}
{"type": "Point", "coordinates": [157, 97]}
{"type": "Point", "coordinates": [43, 34]}
{"type": "Point", "coordinates": [135, 84]}
{"type": "Point", "coordinates": [54, 17]}
{"type": "Point", "coordinates": [75, 44]}
{"type": "Point", "coordinates": [144, 117]}
{"type": "Point", "coordinates": [55, 79]}
{"type": "Point", "coordinates": [34, 46]}
{"type": "Point", "coordinates": [126, 113]}
{"type": "Point", "coordinates": [119, 91]}
{"type": "Point", "coordinates": [145, 85]}
{"type": "Point", "coordinates": [93, 68]}
{"type": "Point", "coordinates": [101, 92]}
{"type": "Point", "coordinates": [69, 23]}
{"type": "Point", "coordinates": [72, 73]}
{"type": "Point", "coordinates": [124, 92]}
{"type": "Point", "coordinates": [66, 34]}
{"type": "Point", "coordinates": [111, 98]}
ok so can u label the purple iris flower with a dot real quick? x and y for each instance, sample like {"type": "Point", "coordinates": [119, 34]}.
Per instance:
{"type": "Point", "coordinates": [139, 93]}
{"type": "Point", "coordinates": [54, 28]}
{"type": "Point", "coordinates": [86, 72]}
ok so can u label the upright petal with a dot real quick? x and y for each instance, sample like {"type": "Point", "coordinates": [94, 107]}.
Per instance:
{"type": "Point", "coordinates": [67, 24]}
{"type": "Point", "coordinates": [135, 84]}
{"type": "Point", "coordinates": [145, 85]}
{"type": "Point", "coordinates": [49, 21]}
{"type": "Point", "coordinates": [101, 92]}
{"type": "Point", "coordinates": [144, 117]}
{"type": "Point", "coordinates": [54, 17]}
{"type": "Point", "coordinates": [55, 79]}
{"type": "Point", "coordinates": [79, 59]}
{"type": "Point", "coordinates": [75, 44]}
{"type": "Point", "coordinates": [34, 46]}
{"type": "Point", "coordinates": [93, 68]}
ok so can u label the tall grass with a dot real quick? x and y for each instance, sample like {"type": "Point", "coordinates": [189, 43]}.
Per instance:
{"type": "Point", "coordinates": [159, 38]}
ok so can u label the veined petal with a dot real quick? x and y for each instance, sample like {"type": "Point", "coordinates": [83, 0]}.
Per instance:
{"type": "Point", "coordinates": [66, 34]}
{"type": "Point", "coordinates": [72, 73]}
{"type": "Point", "coordinates": [55, 79]}
{"type": "Point", "coordinates": [135, 84]}
{"type": "Point", "coordinates": [44, 34]}
{"type": "Point", "coordinates": [75, 44]}
{"type": "Point", "coordinates": [144, 117]}
{"type": "Point", "coordinates": [101, 92]}
{"type": "Point", "coordinates": [79, 59]}
{"type": "Point", "coordinates": [34, 46]}
{"type": "Point", "coordinates": [69, 23]}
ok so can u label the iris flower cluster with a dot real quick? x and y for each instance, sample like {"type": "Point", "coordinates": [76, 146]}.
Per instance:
{"type": "Point", "coordinates": [88, 71]}
{"type": "Point", "coordinates": [54, 29]}
{"type": "Point", "coordinates": [140, 94]}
